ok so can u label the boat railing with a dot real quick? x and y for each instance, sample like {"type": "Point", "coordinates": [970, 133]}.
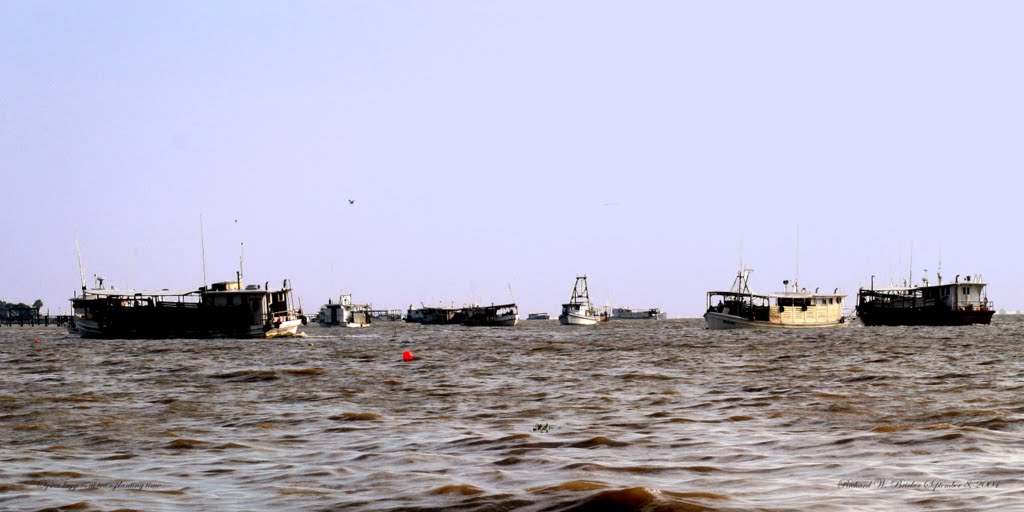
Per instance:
{"type": "Point", "coordinates": [976, 305]}
{"type": "Point", "coordinates": [176, 304]}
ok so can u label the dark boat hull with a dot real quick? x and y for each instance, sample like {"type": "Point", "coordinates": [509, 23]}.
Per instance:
{"type": "Point", "coordinates": [940, 316]}
{"type": "Point", "coordinates": [440, 316]}
{"type": "Point", "coordinates": [90, 329]}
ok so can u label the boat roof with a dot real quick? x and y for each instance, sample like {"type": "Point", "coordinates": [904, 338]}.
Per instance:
{"type": "Point", "coordinates": [803, 295]}
{"type": "Point", "coordinates": [231, 292]}
{"type": "Point", "coordinates": [132, 293]}
{"type": "Point", "coordinates": [912, 288]}
{"type": "Point", "coordinates": [784, 295]}
{"type": "Point", "coordinates": [170, 293]}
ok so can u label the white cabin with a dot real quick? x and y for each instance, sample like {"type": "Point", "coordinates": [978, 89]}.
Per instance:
{"type": "Point", "coordinates": [797, 308]}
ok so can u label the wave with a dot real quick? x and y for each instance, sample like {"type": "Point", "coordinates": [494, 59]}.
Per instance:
{"type": "Point", "coordinates": [355, 416]}
{"type": "Point", "coordinates": [248, 375]}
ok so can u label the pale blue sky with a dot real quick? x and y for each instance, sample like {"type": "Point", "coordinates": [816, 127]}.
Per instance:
{"type": "Point", "coordinates": [518, 142]}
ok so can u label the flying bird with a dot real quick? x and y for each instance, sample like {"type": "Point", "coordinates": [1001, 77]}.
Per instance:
{"type": "Point", "coordinates": [351, 201]}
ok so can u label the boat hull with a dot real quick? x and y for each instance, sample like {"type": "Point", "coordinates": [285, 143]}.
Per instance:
{"type": "Point", "coordinates": [286, 329]}
{"type": "Point", "coordinates": [718, 321]}
{"type": "Point", "coordinates": [90, 329]}
{"type": "Point", "coordinates": [352, 325]}
{"type": "Point", "coordinates": [660, 316]}
{"type": "Point", "coordinates": [939, 316]}
{"type": "Point", "coordinates": [511, 321]}
{"type": "Point", "coordinates": [575, 319]}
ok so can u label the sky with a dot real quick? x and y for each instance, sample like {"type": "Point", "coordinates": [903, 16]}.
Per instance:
{"type": "Point", "coordinates": [497, 146]}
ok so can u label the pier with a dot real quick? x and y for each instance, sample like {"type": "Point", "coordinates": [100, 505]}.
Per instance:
{"type": "Point", "coordinates": [20, 317]}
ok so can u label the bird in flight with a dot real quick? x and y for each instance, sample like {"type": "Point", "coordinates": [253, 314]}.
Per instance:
{"type": "Point", "coordinates": [351, 201]}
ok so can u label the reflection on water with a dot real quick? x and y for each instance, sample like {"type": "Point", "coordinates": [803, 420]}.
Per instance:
{"type": "Point", "coordinates": [638, 415]}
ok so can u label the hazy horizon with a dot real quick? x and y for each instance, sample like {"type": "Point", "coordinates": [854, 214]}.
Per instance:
{"type": "Point", "coordinates": [501, 145]}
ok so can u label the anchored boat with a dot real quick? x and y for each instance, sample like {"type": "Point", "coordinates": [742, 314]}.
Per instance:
{"type": "Point", "coordinates": [344, 313]}
{"type": "Point", "coordinates": [957, 303]}
{"type": "Point", "coordinates": [638, 314]}
{"type": "Point", "coordinates": [502, 315]}
{"type": "Point", "coordinates": [386, 315]}
{"type": "Point", "coordinates": [579, 310]}
{"type": "Point", "coordinates": [435, 316]}
{"type": "Point", "coordinates": [224, 310]}
{"type": "Point", "coordinates": [739, 308]}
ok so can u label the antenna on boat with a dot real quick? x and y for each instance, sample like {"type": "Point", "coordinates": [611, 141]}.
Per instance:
{"type": "Point", "coordinates": [135, 255]}
{"type": "Point", "coordinates": [796, 281]}
{"type": "Point", "coordinates": [241, 261]}
{"type": "Point", "coordinates": [741, 255]}
{"type": "Point", "coordinates": [938, 273]}
{"type": "Point", "coordinates": [202, 245]}
{"type": "Point", "coordinates": [81, 269]}
{"type": "Point", "coordinates": [510, 292]}
{"type": "Point", "coordinates": [899, 264]}
{"type": "Point", "coordinates": [911, 277]}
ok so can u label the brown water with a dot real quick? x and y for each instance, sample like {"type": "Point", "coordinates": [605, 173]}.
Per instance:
{"type": "Point", "coordinates": [631, 416]}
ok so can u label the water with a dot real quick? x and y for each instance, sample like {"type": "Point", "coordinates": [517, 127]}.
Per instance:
{"type": "Point", "coordinates": [630, 416]}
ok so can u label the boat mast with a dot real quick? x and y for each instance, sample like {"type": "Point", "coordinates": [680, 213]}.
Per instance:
{"type": "Point", "coordinates": [741, 255]}
{"type": "Point", "coordinates": [911, 263]}
{"type": "Point", "coordinates": [241, 262]}
{"type": "Point", "coordinates": [81, 269]}
{"type": "Point", "coordinates": [579, 291]}
{"type": "Point", "coordinates": [202, 245]}
{"type": "Point", "coordinates": [899, 265]}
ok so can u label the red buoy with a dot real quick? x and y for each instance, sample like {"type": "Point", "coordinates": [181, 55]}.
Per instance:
{"type": "Point", "coordinates": [37, 341]}
{"type": "Point", "coordinates": [407, 356]}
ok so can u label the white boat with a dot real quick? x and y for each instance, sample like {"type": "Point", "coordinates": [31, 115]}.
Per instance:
{"type": "Point", "coordinates": [344, 312]}
{"type": "Point", "coordinates": [739, 308]}
{"type": "Point", "coordinates": [579, 310]}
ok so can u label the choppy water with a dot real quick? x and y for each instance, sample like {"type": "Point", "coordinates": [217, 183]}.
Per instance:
{"type": "Point", "coordinates": [633, 416]}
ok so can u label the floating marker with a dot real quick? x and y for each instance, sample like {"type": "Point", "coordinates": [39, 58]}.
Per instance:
{"type": "Point", "coordinates": [407, 356]}
{"type": "Point", "coordinates": [37, 341]}
{"type": "Point", "coordinates": [311, 343]}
